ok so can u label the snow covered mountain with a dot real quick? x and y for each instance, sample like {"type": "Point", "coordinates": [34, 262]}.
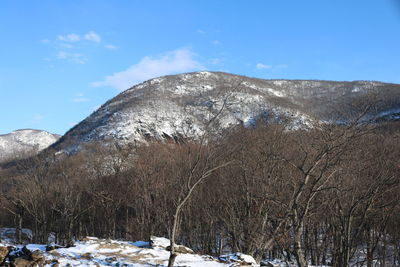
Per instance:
{"type": "Point", "coordinates": [180, 105]}
{"type": "Point", "coordinates": [25, 142]}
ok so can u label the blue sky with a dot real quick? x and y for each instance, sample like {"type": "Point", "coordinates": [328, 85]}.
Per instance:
{"type": "Point", "coordinates": [60, 60]}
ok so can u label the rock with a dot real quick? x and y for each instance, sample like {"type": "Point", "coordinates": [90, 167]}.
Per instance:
{"type": "Point", "coordinates": [87, 256]}
{"type": "Point", "coordinates": [3, 253]}
{"type": "Point", "coordinates": [268, 264]}
{"type": "Point", "coordinates": [52, 247]}
{"type": "Point", "coordinates": [20, 262]}
{"type": "Point", "coordinates": [239, 258]}
{"type": "Point", "coordinates": [181, 249]}
{"type": "Point", "coordinates": [110, 259]}
{"type": "Point", "coordinates": [37, 256]}
{"type": "Point", "coordinates": [27, 254]}
{"type": "Point", "coordinates": [54, 253]}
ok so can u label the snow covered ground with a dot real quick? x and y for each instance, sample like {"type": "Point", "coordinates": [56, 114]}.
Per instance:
{"type": "Point", "coordinates": [93, 251]}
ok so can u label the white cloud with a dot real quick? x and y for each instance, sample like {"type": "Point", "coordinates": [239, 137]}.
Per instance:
{"type": "Point", "coordinates": [45, 41]}
{"type": "Point", "coordinates": [92, 36]}
{"type": "Point", "coordinates": [201, 31]}
{"type": "Point", "coordinates": [111, 47]}
{"type": "Point", "coordinates": [72, 57]}
{"type": "Point", "coordinates": [261, 66]}
{"type": "Point", "coordinates": [216, 42]}
{"type": "Point", "coordinates": [181, 60]}
{"type": "Point", "coordinates": [72, 37]}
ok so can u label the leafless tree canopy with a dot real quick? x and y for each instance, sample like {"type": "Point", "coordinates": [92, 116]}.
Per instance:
{"type": "Point", "coordinates": [318, 196]}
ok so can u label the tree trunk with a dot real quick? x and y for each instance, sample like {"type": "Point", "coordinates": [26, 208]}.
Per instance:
{"type": "Point", "coordinates": [18, 230]}
{"type": "Point", "coordinates": [173, 255]}
{"type": "Point", "coordinates": [300, 255]}
{"type": "Point", "coordinates": [370, 256]}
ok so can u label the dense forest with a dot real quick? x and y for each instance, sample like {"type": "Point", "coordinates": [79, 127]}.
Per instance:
{"type": "Point", "coordinates": [326, 195]}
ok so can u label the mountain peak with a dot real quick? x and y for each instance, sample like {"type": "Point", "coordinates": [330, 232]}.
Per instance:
{"type": "Point", "coordinates": [24, 142]}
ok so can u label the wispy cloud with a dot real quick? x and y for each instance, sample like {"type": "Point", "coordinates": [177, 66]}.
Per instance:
{"type": "Point", "coordinates": [73, 43]}
{"type": "Point", "coordinates": [72, 57]}
{"type": "Point", "coordinates": [93, 37]}
{"type": "Point", "coordinates": [72, 37]}
{"type": "Point", "coordinates": [261, 66]}
{"type": "Point", "coordinates": [180, 60]}
{"type": "Point", "coordinates": [201, 31]}
{"type": "Point", "coordinates": [216, 42]}
{"type": "Point", "coordinates": [111, 47]}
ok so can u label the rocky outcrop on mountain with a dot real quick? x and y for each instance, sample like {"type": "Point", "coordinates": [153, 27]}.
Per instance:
{"type": "Point", "coordinates": [23, 143]}
{"type": "Point", "coordinates": [177, 106]}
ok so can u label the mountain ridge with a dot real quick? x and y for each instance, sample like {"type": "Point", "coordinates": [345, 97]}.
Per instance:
{"type": "Point", "coordinates": [173, 106]}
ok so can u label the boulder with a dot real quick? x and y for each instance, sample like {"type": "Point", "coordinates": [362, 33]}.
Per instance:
{"type": "Point", "coordinates": [37, 256]}
{"type": "Point", "coordinates": [87, 256]}
{"type": "Point", "coordinates": [238, 258]}
{"type": "Point", "coordinates": [181, 249]}
{"type": "Point", "coordinates": [52, 247]}
{"type": "Point", "coordinates": [3, 253]}
{"type": "Point", "coordinates": [27, 254]}
{"type": "Point", "coordinates": [20, 262]}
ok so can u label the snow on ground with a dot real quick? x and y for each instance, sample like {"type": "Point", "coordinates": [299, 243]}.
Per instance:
{"type": "Point", "coordinates": [100, 252]}
{"type": "Point", "coordinates": [92, 251]}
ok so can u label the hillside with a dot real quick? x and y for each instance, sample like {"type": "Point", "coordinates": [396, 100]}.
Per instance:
{"type": "Point", "coordinates": [26, 142]}
{"type": "Point", "coordinates": [179, 106]}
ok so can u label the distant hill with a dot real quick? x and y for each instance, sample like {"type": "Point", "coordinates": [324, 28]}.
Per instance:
{"type": "Point", "coordinates": [26, 142]}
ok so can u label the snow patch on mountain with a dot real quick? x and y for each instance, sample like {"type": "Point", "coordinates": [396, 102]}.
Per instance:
{"type": "Point", "coordinates": [24, 142]}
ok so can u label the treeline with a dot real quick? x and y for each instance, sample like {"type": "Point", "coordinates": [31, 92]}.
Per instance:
{"type": "Point", "coordinates": [324, 196]}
